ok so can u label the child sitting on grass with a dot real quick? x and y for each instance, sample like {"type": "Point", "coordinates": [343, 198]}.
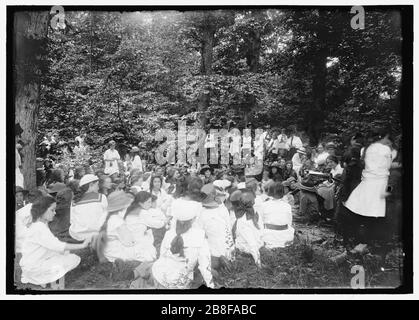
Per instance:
{"type": "Point", "coordinates": [46, 259]}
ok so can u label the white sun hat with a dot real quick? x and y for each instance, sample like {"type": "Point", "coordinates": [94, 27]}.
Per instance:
{"type": "Point", "coordinates": [87, 178]}
{"type": "Point", "coordinates": [223, 184]}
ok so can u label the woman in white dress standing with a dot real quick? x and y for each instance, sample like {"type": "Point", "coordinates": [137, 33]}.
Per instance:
{"type": "Point", "coordinates": [46, 259]}
{"type": "Point", "coordinates": [111, 158]}
{"type": "Point", "coordinates": [368, 199]}
{"type": "Point", "coordinates": [235, 145]}
{"type": "Point", "coordinates": [136, 159]}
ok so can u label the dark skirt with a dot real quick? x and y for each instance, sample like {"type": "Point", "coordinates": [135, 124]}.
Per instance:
{"type": "Point", "coordinates": [361, 229]}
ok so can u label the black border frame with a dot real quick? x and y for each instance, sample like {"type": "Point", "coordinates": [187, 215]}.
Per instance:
{"type": "Point", "coordinates": [406, 109]}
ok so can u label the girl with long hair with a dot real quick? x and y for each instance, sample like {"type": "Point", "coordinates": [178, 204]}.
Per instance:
{"type": "Point", "coordinates": [156, 189]}
{"type": "Point", "coordinates": [141, 217]}
{"type": "Point", "coordinates": [183, 249]}
{"type": "Point", "coordinates": [45, 259]}
{"type": "Point", "coordinates": [247, 229]}
{"type": "Point", "coordinates": [119, 241]}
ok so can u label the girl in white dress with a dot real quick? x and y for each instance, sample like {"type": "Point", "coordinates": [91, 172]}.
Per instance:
{"type": "Point", "coordinates": [183, 249]}
{"type": "Point", "coordinates": [122, 242]}
{"type": "Point", "coordinates": [276, 215]}
{"type": "Point", "coordinates": [247, 229]}
{"type": "Point", "coordinates": [156, 189]}
{"type": "Point", "coordinates": [46, 259]}
{"type": "Point", "coordinates": [235, 144]}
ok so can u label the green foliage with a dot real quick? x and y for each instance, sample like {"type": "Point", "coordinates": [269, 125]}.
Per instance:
{"type": "Point", "coordinates": [122, 76]}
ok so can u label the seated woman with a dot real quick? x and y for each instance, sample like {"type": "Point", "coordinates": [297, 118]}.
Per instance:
{"type": "Point", "coordinates": [88, 211]}
{"type": "Point", "coordinates": [298, 159]}
{"type": "Point", "coordinates": [24, 219]}
{"type": "Point", "coordinates": [120, 241]}
{"type": "Point", "coordinates": [289, 171]}
{"type": "Point", "coordinates": [170, 181]}
{"type": "Point", "coordinates": [277, 219]}
{"type": "Point", "coordinates": [156, 189]}
{"type": "Point", "coordinates": [289, 190]}
{"type": "Point", "coordinates": [333, 164]}
{"type": "Point", "coordinates": [276, 171]}
{"type": "Point", "coordinates": [327, 189]}
{"type": "Point", "coordinates": [46, 259]}
{"type": "Point", "coordinates": [320, 157]}
{"type": "Point", "coordinates": [266, 180]}
{"type": "Point", "coordinates": [141, 214]}
{"type": "Point", "coordinates": [247, 229]}
{"type": "Point", "coordinates": [183, 249]}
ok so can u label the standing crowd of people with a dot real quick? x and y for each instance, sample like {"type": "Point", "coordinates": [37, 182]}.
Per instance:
{"type": "Point", "coordinates": [179, 225]}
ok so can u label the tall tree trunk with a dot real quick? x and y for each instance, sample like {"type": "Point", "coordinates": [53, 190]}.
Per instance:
{"type": "Point", "coordinates": [91, 42]}
{"type": "Point", "coordinates": [31, 30]}
{"type": "Point", "coordinates": [315, 116]}
{"type": "Point", "coordinates": [253, 61]}
{"type": "Point", "coordinates": [207, 46]}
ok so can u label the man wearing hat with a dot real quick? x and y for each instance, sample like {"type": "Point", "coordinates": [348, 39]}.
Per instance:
{"type": "Point", "coordinates": [55, 188]}
{"type": "Point", "coordinates": [309, 204]}
{"type": "Point", "coordinates": [111, 158]}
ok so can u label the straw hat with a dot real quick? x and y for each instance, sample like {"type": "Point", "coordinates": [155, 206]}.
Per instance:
{"type": "Point", "coordinates": [119, 200]}
{"type": "Point", "coordinates": [223, 184]}
{"type": "Point", "coordinates": [185, 210]}
{"type": "Point", "coordinates": [211, 193]}
{"type": "Point", "coordinates": [87, 178]}
{"type": "Point", "coordinates": [56, 187]}
{"type": "Point", "coordinates": [205, 168]}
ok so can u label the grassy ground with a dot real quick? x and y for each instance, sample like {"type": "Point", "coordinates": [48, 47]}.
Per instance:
{"type": "Point", "coordinates": [307, 263]}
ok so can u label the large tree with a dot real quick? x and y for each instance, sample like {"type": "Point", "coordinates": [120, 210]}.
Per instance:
{"type": "Point", "coordinates": [29, 43]}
